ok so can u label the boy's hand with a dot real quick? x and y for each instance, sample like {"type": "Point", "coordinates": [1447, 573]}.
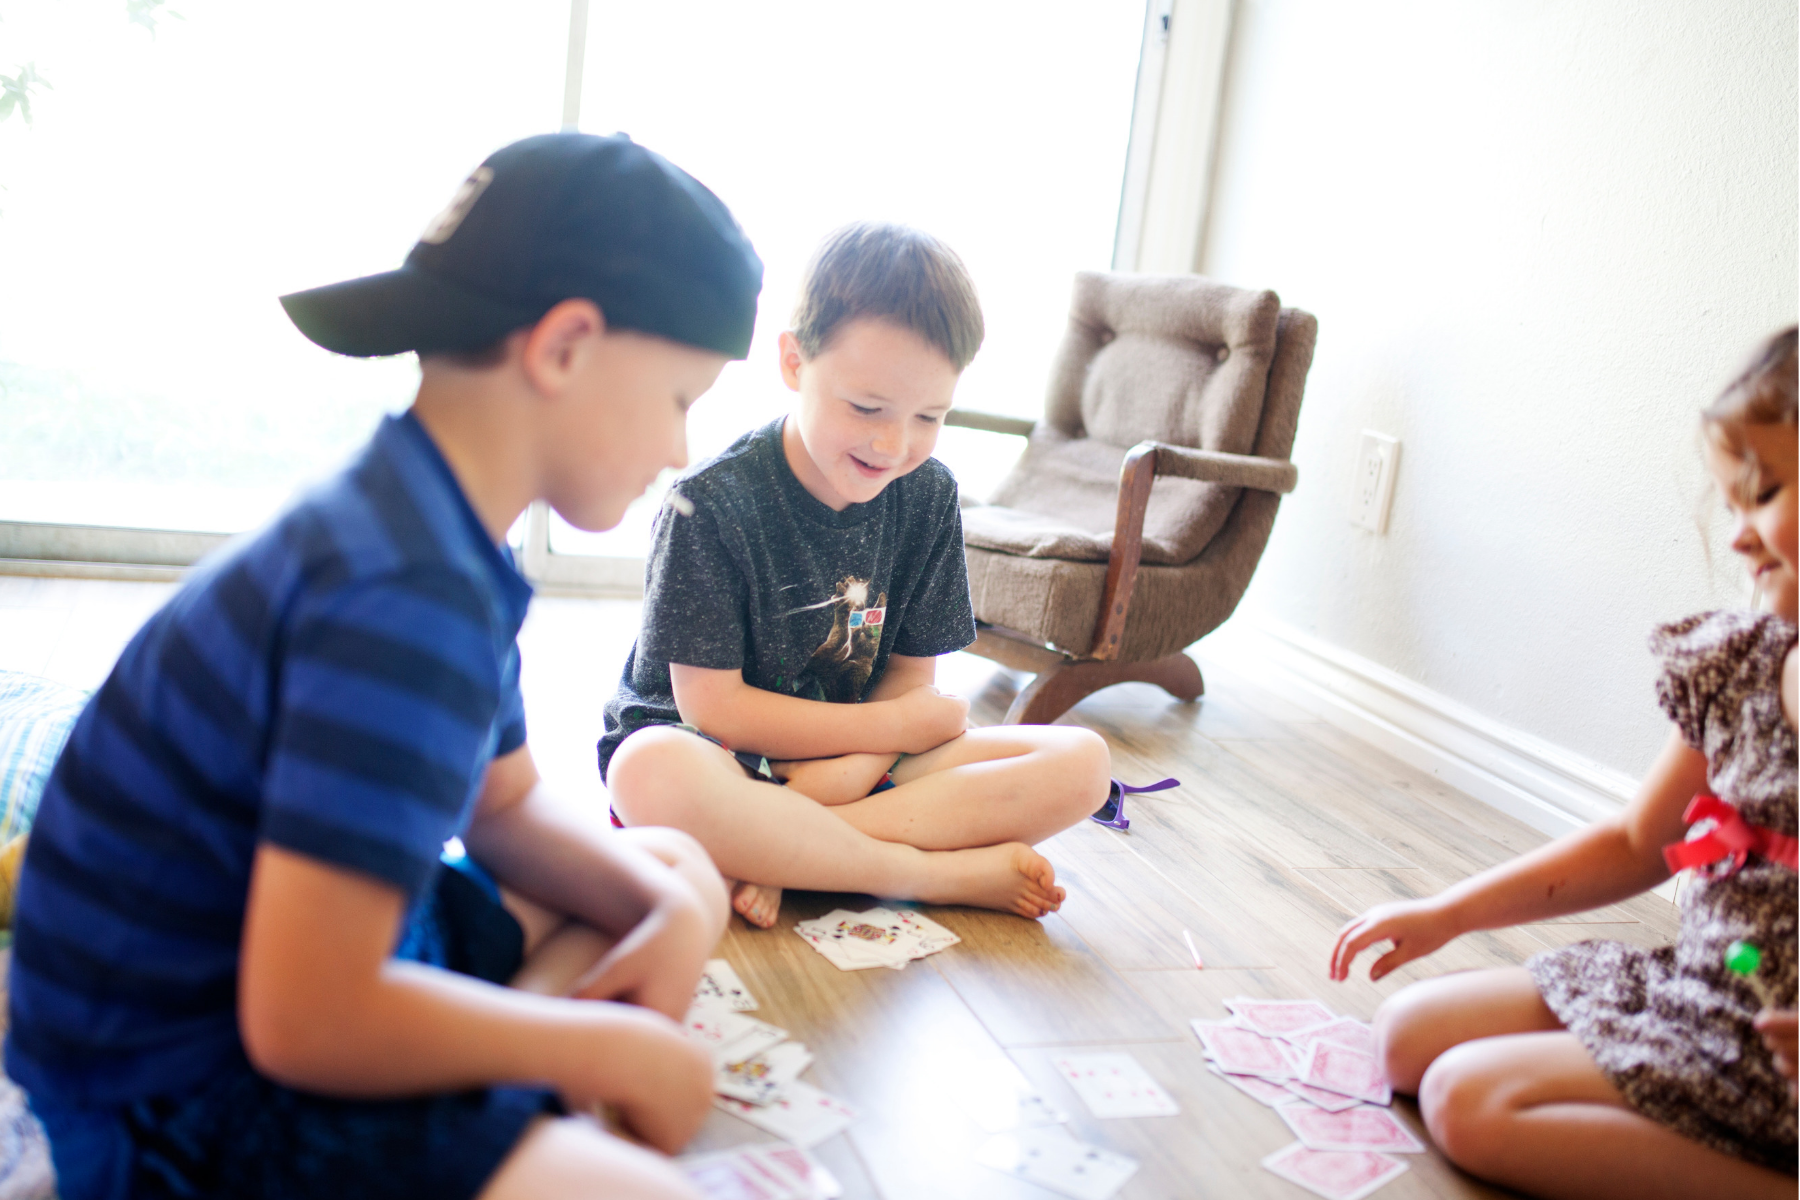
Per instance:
{"type": "Point", "coordinates": [659, 1082]}
{"type": "Point", "coordinates": [646, 967]}
{"type": "Point", "coordinates": [929, 718]}
{"type": "Point", "coordinates": [1416, 927]}
{"type": "Point", "coordinates": [1777, 1026]}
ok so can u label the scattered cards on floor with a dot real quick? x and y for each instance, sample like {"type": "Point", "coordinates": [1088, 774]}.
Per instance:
{"type": "Point", "coordinates": [800, 1113]}
{"type": "Point", "coordinates": [756, 1074]}
{"type": "Point", "coordinates": [771, 1172]}
{"type": "Point", "coordinates": [720, 987]}
{"type": "Point", "coordinates": [1051, 1158]}
{"type": "Point", "coordinates": [1320, 1073]}
{"type": "Point", "coordinates": [1115, 1085]}
{"type": "Point", "coordinates": [1336, 1175]}
{"type": "Point", "coordinates": [880, 937]}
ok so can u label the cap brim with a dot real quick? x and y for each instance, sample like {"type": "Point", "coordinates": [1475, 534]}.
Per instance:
{"type": "Point", "coordinates": [402, 310]}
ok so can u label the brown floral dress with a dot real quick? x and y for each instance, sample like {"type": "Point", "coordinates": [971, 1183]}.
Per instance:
{"type": "Point", "coordinates": [1671, 1027]}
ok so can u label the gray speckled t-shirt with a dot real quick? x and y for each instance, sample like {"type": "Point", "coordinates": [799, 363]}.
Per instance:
{"type": "Point", "coordinates": [804, 600]}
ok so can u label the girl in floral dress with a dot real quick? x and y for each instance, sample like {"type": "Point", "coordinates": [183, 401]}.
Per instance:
{"type": "Point", "coordinates": [1603, 1069]}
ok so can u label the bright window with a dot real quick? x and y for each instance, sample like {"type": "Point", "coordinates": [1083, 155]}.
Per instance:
{"type": "Point", "coordinates": [174, 183]}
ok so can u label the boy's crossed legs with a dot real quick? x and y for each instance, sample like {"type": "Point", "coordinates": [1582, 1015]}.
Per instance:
{"type": "Point", "coordinates": [1512, 1096]}
{"type": "Point", "coordinates": [956, 828]}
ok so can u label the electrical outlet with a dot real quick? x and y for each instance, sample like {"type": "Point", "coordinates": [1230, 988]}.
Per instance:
{"type": "Point", "coordinates": [1372, 492]}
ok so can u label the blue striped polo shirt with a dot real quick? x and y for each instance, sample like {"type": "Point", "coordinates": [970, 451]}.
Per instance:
{"type": "Point", "coordinates": [335, 685]}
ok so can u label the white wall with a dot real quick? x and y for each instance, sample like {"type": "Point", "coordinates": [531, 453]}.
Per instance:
{"type": "Point", "coordinates": [1536, 235]}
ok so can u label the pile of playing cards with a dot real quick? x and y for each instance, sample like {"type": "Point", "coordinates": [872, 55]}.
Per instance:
{"type": "Point", "coordinates": [1319, 1072]}
{"type": "Point", "coordinates": [880, 937]}
{"type": "Point", "coordinates": [769, 1172]}
{"type": "Point", "coordinates": [756, 1069]}
{"type": "Point", "coordinates": [1030, 1146]}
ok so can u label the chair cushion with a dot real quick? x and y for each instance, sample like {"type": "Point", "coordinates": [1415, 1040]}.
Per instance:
{"type": "Point", "coordinates": [1062, 499]}
{"type": "Point", "coordinates": [1177, 359]}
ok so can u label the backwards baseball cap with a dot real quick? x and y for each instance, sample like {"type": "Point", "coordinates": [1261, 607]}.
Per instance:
{"type": "Point", "coordinates": [547, 219]}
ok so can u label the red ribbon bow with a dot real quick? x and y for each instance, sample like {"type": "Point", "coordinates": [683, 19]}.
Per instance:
{"type": "Point", "coordinates": [1731, 838]}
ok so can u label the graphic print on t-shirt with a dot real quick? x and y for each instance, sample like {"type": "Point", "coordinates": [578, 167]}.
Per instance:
{"type": "Point", "coordinates": [842, 664]}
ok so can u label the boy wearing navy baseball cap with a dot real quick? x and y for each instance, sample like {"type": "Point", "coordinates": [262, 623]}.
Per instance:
{"type": "Point", "coordinates": [296, 845]}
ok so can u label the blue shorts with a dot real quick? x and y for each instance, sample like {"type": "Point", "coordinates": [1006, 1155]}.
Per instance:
{"type": "Point", "coordinates": [241, 1135]}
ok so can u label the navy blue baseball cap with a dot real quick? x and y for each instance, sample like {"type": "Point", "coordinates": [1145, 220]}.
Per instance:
{"type": "Point", "coordinates": [547, 219]}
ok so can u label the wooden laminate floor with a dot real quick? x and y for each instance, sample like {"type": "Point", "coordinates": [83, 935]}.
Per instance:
{"type": "Point", "coordinates": [1283, 829]}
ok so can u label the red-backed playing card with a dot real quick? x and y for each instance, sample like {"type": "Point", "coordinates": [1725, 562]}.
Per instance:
{"type": "Point", "coordinates": [1341, 1069]}
{"type": "Point", "coordinates": [1280, 1016]}
{"type": "Point", "coordinates": [1333, 1174]}
{"type": "Point", "coordinates": [1359, 1128]}
{"type": "Point", "coordinates": [1318, 1097]}
{"type": "Point", "coordinates": [1241, 1051]}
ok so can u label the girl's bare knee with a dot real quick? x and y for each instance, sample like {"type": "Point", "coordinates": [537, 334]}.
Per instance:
{"type": "Point", "coordinates": [1463, 1110]}
{"type": "Point", "coordinates": [1403, 1038]}
{"type": "Point", "coordinates": [1077, 765]}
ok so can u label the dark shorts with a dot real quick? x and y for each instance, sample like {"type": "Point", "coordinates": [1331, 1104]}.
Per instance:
{"type": "Point", "coordinates": [241, 1135]}
{"type": "Point", "coordinates": [755, 766]}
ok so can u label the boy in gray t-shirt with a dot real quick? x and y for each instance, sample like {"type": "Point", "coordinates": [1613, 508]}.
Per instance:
{"type": "Point", "coordinates": [801, 587]}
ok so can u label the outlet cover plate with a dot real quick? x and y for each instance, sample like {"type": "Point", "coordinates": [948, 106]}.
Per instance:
{"type": "Point", "coordinates": [1372, 488]}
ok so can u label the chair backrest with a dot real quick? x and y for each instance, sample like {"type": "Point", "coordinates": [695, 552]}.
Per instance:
{"type": "Point", "coordinates": [1178, 358]}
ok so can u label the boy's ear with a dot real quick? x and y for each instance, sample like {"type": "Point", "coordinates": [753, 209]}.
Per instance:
{"type": "Point", "coordinates": [791, 359]}
{"type": "Point", "coordinates": [555, 343]}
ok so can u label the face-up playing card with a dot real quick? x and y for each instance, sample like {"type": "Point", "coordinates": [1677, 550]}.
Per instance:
{"type": "Point", "coordinates": [1263, 1091]}
{"type": "Point", "coordinates": [1351, 1072]}
{"type": "Point", "coordinates": [1242, 1051]}
{"type": "Point", "coordinates": [1115, 1085]}
{"type": "Point", "coordinates": [1336, 1175]}
{"type": "Point", "coordinates": [1319, 1097]}
{"type": "Point", "coordinates": [877, 938]}
{"type": "Point", "coordinates": [1050, 1158]}
{"type": "Point", "coordinates": [720, 987]}
{"type": "Point", "coordinates": [932, 936]}
{"type": "Point", "coordinates": [822, 1184]}
{"type": "Point", "coordinates": [801, 1114]}
{"type": "Point", "coordinates": [1279, 1017]}
{"type": "Point", "coordinates": [1359, 1128]}
{"type": "Point", "coordinates": [999, 1097]}
{"type": "Point", "coordinates": [761, 1077]}
{"type": "Point", "coordinates": [728, 1036]}
{"type": "Point", "coordinates": [1344, 1031]}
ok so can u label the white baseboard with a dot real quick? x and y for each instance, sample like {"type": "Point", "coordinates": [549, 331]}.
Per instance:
{"type": "Point", "coordinates": [1553, 790]}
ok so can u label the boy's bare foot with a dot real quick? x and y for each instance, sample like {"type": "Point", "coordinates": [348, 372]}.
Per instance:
{"type": "Point", "coordinates": [1011, 878]}
{"type": "Point", "coordinates": [757, 903]}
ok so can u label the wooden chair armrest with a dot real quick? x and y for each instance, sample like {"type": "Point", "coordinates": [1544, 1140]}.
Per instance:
{"type": "Point", "coordinates": [1143, 463]}
{"type": "Point", "coordinates": [1238, 470]}
{"type": "Point", "coordinates": [990, 422]}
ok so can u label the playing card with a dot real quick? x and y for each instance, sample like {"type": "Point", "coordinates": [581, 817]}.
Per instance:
{"type": "Point", "coordinates": [720, 987]}
{"type": "Point", "coordinates": [801, 1114]}
{"type": "Point", "coordinates": [857, 941]}
{"type": "Point", "coordinates": [728, 1036]}
{"type": "Point", "coordinates": [1243, 1051]}
{"type": "Point", "coordinates": [1263, 1091]}
{"type": "Point", "coordinates": [1050, 1158]}
{"type": "Point", "coordinates": [1359, 1128]}
{"type": "Point", "coordinates": [767, 1172]}
{"type": "Point", "coordinates": [1319, 1097]}
{"type": "Point", "coordinates": [1336, 1175]}
{"type": "Point", "coordinates": [759, 1078]}
{"type": "Point", "coordinates": [1341, 1069]}
{"type": "Point", "coordinates": [1114, 1085]}
{"type": "Point", "coordinates": [1279, 1017]}
{"type": "Point", "coordinates": [1344, 1031]}
{"type": "Point", "coordinates": [932, 936]}
{"type": "Point", "coordinates": [844, 958]}
{"type": "Point", "coordinates": [999, 1097]}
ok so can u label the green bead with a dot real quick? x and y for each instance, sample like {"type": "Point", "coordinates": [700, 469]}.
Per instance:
{"type": "Point", "coordinates": [1743, 958]}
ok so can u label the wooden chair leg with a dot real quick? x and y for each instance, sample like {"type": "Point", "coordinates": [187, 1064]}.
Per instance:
{"type": "Point", "coordinates": [1055, 691]}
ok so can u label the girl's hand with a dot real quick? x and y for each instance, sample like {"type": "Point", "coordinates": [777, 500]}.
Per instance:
{"type": "Point", "coordinates": [1777, 1026]}
{"type": "Point", "coordinates": [1416, 927]}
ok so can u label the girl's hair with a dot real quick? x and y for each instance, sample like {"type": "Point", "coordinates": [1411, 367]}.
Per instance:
{"type": "Point", "coordinates": [1762, 393]}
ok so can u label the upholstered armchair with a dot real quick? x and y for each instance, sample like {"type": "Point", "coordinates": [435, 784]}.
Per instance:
{"type": "Point", "coordinates": [1134, 519]}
